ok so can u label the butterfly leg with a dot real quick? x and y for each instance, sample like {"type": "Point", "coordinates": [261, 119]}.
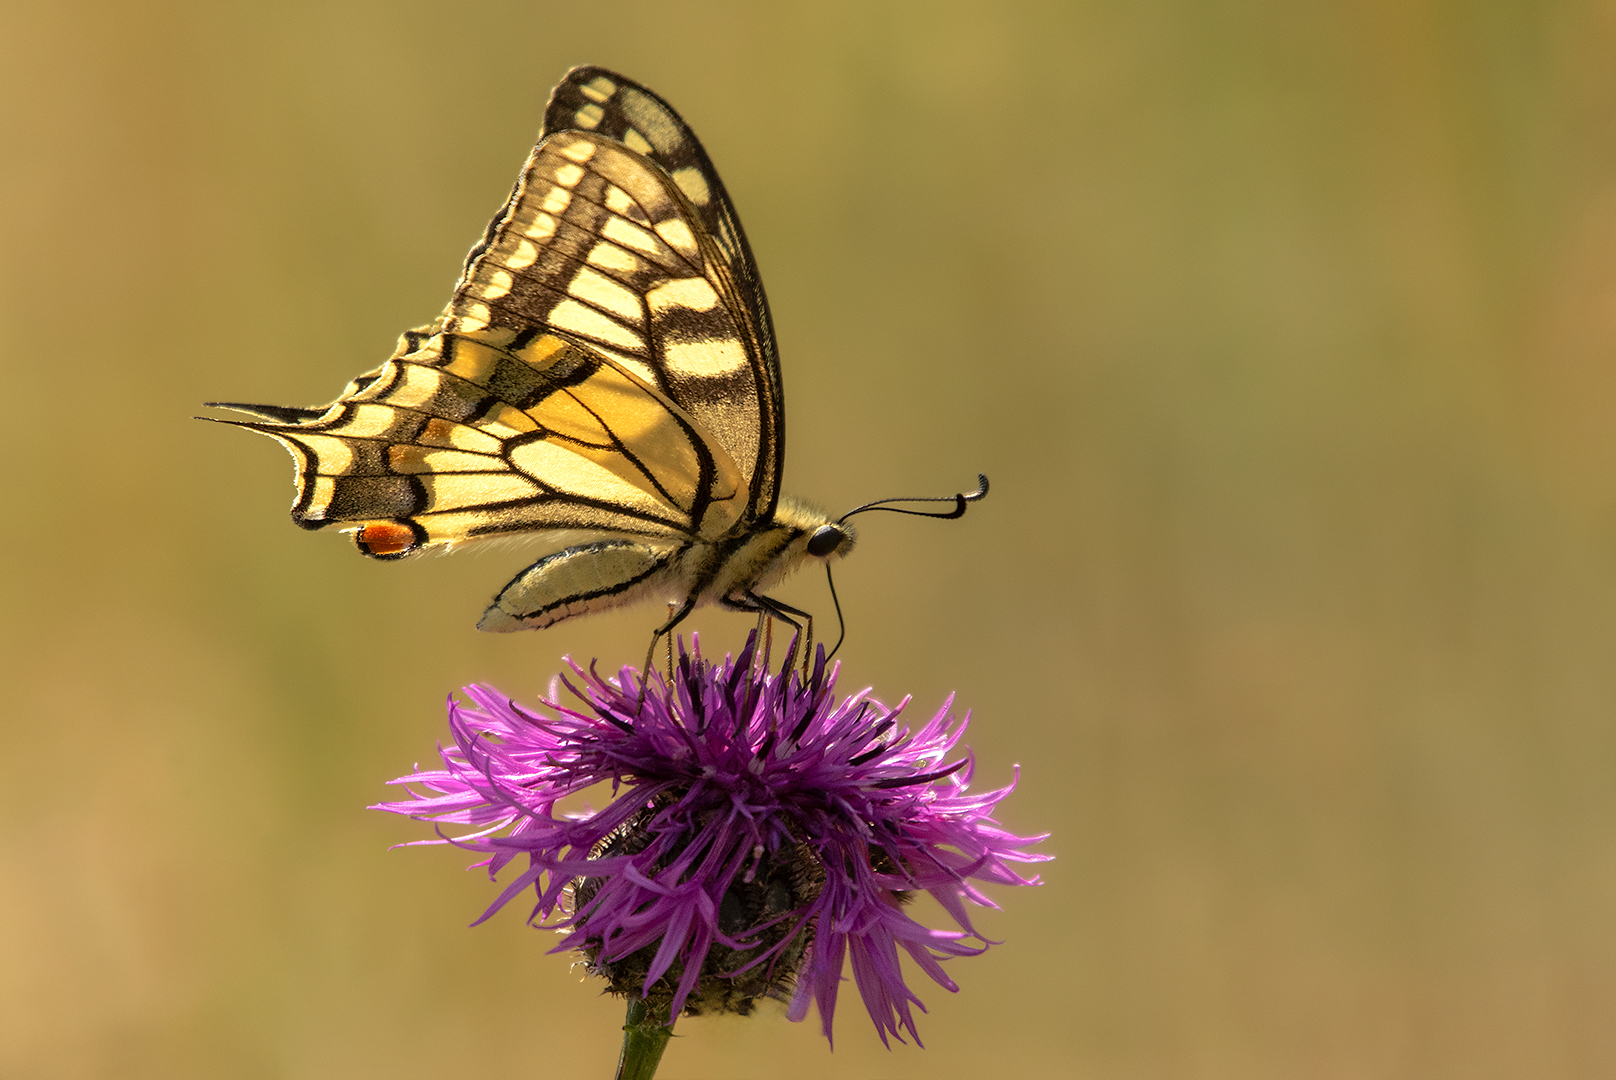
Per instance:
{"type": "Point", "coordinates": [764, 639]}
{"type": "Point", "coordinates": [807, 638]}
{"type": "Point", "coordinates": [668, 641]}
{"type": "Point", "coordinates": [767, 612]}
{"type": "Point", "coordinates": [775, 609]}
{"type": "Point", "coordinates": [665, 629]}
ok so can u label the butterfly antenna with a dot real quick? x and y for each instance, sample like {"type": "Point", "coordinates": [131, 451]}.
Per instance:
{"type": "Point", "coordinates": [960, 501]}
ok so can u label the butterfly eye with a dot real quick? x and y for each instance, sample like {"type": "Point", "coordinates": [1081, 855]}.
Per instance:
{"type": "Point", "coordinates": [825, 541]}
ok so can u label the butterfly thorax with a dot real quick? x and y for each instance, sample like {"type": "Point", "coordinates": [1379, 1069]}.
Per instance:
{"type": "Point", "coordinates": [759, 558]}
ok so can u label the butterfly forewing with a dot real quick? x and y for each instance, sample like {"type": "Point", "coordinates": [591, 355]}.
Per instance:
{"type": "Point", "coordinates": [599, 244]}
{"type": "Point", "coordinates": [606, 104]}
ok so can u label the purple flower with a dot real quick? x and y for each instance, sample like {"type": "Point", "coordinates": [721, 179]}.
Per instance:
{"type": "Point", "coordinates": [761, 833]}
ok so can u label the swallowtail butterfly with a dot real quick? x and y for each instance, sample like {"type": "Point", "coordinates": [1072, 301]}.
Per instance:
{"type": "Point", "coordinates": [605, 373]}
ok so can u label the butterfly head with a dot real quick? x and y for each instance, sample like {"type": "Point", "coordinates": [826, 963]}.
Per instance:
{"type": "Point", "coordinates": [804, 532]}
{"type": "Point", "coordinates": [833, 538]}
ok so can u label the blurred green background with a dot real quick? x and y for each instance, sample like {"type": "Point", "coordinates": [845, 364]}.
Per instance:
{"type": "Point", "coordinates": [1285, 331]}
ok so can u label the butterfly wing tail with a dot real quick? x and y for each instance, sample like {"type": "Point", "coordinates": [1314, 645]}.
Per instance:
{"type": "Point", "coordinates": [275, 414]}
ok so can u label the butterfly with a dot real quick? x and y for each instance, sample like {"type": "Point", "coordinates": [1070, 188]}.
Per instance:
{"type": "Point", "coordinates": [605, 373]}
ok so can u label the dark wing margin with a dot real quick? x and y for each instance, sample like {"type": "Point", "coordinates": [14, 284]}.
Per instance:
{"type": "Point", "coordinates": [602, 102]}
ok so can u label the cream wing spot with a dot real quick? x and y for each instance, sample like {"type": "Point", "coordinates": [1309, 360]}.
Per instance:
{"type": "Point", "coordinates": [611, 257]}
{"type": "Point", "coordinates": [522, 255]}
{"type": "Point", "coordinates": [581, 150]}
{"type": "Point", "coordinates": [651, 119]}
{"type": "Point", "coordinates": [473, 365]}
{"type": "Point", "coordinates": [416, 386]}
{"type": "Point", "coordinates": [497, 285]}
{"type": "Point", "coordinates": [621, 202]}
{"type": "Point", "coordinates": [630, 235]}
{"type": "Point", "coordinates": [422, 348]}
{"type": "Point", "coordinates": [695, 294]}
{"type": "Point", "coordinates": [679, 237]}
{"type": "Point", "coordinates": [542, 227]}
{"type": "Point", "coordinates": [569, 175]}
{"type": "Point", "coordinates": [636, 142]}
{"type": "Point", "coordinates": [469, 439]}
{"type": "Point", "coordinates": [331, 455]}
{"type": "Point", "coordinates": [542, 351]}
{"type": "Point", "coordinates": [573, 316]}
{"type": "Point", "coordinates": [694, 185]}
{"type": "Point", "coordinates": [599, 89]}
{"type": "Point", "coordinates": [706, 358]}
{"type": "Point", "coordinates": [508, 421]}
{"type": "Point", "coordinates": [556, 200]}
{"type": "Point", "coordinates": [367, 422]}
{"type": "Point", "coordinates": [592, 286]}
{"type": "Point", "coordinates": [320, 495]}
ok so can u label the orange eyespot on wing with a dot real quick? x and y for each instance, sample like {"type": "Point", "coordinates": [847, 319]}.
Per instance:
{"type": "Point", "coordinates": [387, 539]}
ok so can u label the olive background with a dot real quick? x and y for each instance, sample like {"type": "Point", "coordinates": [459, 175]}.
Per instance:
{"type": "Point", "coordinates": [1284, 331]}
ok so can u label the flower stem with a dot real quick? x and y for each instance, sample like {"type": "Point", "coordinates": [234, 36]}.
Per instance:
{"type": "Point", "coordinates": [645, 1036]}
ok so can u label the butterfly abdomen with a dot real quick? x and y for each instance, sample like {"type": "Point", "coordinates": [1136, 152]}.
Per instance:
{"type": "Point", "coordinates": [577, 581]}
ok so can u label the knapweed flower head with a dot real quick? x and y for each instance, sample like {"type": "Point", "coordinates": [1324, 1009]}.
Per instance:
{"type": "Point", "coordinates": [761, 834]}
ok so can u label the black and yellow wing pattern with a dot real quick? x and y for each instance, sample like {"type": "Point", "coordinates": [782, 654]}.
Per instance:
{"type": "Point", "coordinates": [607, 364]}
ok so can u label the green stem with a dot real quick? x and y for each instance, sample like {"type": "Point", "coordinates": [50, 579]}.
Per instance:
{"type": "Point", "coordinates": [645, 1036]}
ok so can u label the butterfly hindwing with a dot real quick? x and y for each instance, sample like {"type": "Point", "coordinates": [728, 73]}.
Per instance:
{"type": "Point", "coordinates": [482, 433]}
